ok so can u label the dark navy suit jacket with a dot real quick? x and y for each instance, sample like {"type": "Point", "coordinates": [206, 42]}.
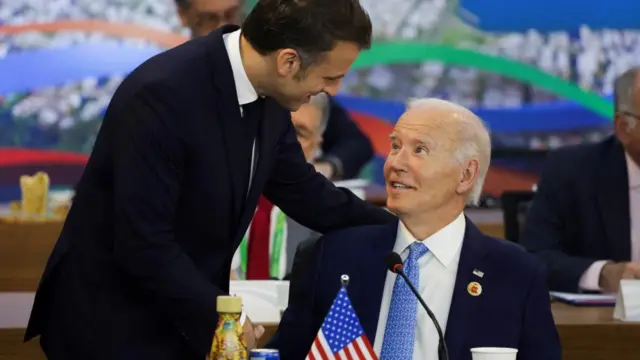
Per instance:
{"type": "Point", "coordinates": [580, 212]}
{"type": "Point", "coordinates": [161, 208]}
{"type": "Point", "coordinates": [344, 141]}
{"type": "Point", "coordinates": [513, 309]}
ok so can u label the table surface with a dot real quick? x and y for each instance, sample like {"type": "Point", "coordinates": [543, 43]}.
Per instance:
{"type": "Point", "coordinates": [587, 333]}
{"type": "Point", "coordinates": [564, 314]}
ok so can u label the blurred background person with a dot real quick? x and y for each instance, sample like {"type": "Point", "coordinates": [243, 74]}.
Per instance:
{"type": "Point", "coordinates": [267, 250]}
{"type": "Point", "coordinates": [345, 150]}
{"type": "Point", "coordinates": [203, 16]}
{"type": "Point", "coordinates": [584, 222]}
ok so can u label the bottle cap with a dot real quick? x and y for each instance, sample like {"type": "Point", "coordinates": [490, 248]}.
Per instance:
{"type": "Point", "coordinates": [229, 304]}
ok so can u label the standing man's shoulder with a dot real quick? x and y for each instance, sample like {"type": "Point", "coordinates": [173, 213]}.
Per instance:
{"type": "Point", "coordinates": [511, 264]}
{"type": "Point", "coordinates": [184, 68]}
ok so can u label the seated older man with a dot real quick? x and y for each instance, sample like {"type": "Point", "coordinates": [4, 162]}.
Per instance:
{"type": "Point", "coordinates": [272, 238]}
{"type": "Point", "coordinates": [484, 292]}
{"type": "Point", "coordinates": [584, 222]}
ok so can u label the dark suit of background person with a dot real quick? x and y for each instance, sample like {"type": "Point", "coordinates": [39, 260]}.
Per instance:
{"type": "Point", "coordinates": [162, 206]}
{"type": "Point", "coordinates": [512, 310]}
{"type": "Point", "coordinates": [345, 147]}
{"type": "Point", "coordinates": [580, 212]}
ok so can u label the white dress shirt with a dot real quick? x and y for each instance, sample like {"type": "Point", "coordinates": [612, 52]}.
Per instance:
{"type": "Point", "coordinates": [590, 280]}
{"type": "Point", "coordinates": [245, 91]}
{"type": "Point", "coordinates": [438, 270]}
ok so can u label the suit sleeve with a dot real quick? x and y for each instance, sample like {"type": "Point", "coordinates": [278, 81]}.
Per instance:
{"type": "Point", "coordinates": [312, 200]}
{"type": "Point", "coordinates": [544, 233]}
{"type": "Point", "coordinates": [298, 327]}
{"type": "Point", "coordinates": [344, 145]}
{"type": "Point", "coordinates": [540, 339]}
{"type": "Point", "coordinates": [148, 168]}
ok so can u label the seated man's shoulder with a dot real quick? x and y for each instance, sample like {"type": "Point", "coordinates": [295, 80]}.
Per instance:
{"type": "Point", "coordinates": [355, 238]}
{"type": "Point", "coordinates": [510, 257]}
{"type": "Point", "coordinates": [356, 232]}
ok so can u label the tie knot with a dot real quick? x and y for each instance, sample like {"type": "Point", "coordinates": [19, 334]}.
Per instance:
{"type": "Point", "coordinates": [417, 250]}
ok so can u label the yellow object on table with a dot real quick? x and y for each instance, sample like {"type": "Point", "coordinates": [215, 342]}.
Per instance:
{"type": "Point", "coordinates": [35, 194]}
{"type": "Point", "coordinates": [34, 205]}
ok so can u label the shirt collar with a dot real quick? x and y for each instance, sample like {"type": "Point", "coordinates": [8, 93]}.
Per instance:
{"type": "Point", "coordinates": [634, 172]}
{"type": "Point", "coordinates": [246, 92]}
{"type": "Point", "coordinates": [444, 244]}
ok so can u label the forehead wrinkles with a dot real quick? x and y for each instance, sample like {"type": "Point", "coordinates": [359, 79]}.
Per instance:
{"type": "Point", "coordinates": [443, 131]}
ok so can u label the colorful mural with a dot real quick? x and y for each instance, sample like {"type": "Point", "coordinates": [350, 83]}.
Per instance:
{"type": "Point", "coordinates": [539, 82]}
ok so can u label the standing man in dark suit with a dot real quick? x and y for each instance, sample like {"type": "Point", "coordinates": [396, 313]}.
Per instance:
{"type": "Point", "coordinates": [190, 140]}
{"type": "Point", "coordinates": [345, 149]}
{"type": "Point", "coordinates": [439, 157]}
{"type": "Point", "coordinates": [584, 222]}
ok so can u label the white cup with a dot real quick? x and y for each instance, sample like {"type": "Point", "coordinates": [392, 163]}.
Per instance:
{"type": "Point", "coordinates": [493, 353]}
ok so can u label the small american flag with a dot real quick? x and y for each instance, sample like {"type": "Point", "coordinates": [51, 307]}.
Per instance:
{"type": "Point", "coordinates": [341, 336]}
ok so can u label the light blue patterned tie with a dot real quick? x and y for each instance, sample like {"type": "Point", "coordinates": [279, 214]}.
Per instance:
{"type": "Point", "coordinates": [399, 333]}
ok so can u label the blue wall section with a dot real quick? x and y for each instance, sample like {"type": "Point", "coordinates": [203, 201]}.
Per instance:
{"type": "Point", "coordinates": [553, 15]}
{"type": "Point", "coordinates": [34, 69]}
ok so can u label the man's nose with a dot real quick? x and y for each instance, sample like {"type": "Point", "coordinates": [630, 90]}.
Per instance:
{"type": "Point", "coordinates": [398, 161]}
{"type": "Point", "coordinates": [333, 88]}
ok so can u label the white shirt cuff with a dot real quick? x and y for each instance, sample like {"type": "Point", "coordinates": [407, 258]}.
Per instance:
{"type": "Point", "coordinates": [590, 280]}
{"type": "Point", "coordinates": [243, 317]}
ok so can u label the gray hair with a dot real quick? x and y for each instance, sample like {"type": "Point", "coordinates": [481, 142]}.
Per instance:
{"type": "Point", "coordinates": [321, 102]}
{"type": "Point", "coordinates": [624, 92]}
{"type": "Point", "coordinates": [474, 139]}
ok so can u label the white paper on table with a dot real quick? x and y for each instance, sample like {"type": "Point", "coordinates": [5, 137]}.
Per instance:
{"type": "Point", "coordinates": [262, 300]}
{"type": "Point", "coordinates": [572, 297]}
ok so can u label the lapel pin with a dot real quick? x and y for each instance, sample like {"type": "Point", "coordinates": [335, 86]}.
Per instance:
{"type": "Point", "coordinates": [478, 273]}
{"type": "Point", "coordinates": [474, 289]}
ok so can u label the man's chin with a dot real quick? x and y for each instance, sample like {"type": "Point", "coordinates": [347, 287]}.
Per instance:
{"type": "Point", "coordinates": [393, 207]}
{"type": "Point", "coordinates": [292, 106]}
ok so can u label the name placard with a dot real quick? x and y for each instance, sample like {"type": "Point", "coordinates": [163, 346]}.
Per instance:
{"type": "Point", "coordinates": [628, 301]}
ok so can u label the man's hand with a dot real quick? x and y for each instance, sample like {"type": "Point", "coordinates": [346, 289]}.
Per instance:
{"type": "Point", "coordinates": [612, 273]}
{"type": "Point", "coordinates": [324, 168]}
{"type": "Point", "coordinates": [252, 333]}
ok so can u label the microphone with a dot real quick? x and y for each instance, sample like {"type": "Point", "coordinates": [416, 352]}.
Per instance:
{"type": "Point", "coordinates": [394, 264]}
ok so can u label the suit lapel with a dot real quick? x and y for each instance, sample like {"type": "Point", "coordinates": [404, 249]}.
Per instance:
{"type": "Point", "coordinates": [229, 116]}
{"type": "Point", "coordinates": [373, 274]}
{"type": "Point", "coordinates": [613, 200]}
{"type": "Point", "coordinates": [462, 303]}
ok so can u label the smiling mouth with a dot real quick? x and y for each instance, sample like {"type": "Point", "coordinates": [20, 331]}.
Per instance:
{"type": "Point", "coordinates": [400, 186]}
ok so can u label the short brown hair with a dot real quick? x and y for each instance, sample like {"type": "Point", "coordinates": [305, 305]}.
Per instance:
{"type": "Point", "coordinates": [311, 27]}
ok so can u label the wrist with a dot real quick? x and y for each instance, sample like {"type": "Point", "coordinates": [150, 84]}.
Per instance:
{"type": "Point", "coordinates": [605, 273]}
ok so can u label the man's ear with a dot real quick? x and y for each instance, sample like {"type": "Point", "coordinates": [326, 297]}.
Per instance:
{"type": "Point", "coordinates": [288, 62]}
{"type": "Point", "coordinates": [184, 15]}
{"type": "Point", "coordinates": [621, 127]}
{"type": "Point", "coordinates": [468, 176]}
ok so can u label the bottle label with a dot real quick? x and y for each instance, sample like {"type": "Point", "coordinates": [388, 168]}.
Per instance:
{"type": "Point", "coordinates": [228, 340]}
